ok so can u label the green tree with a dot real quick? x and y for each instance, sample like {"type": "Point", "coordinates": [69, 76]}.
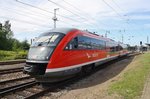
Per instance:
{"type": "Point", "coordinates": [5, 36]}
{"type": "Point", "coordinates": [1, 26]}
{"type": "Point", "coordinates": [7, 42]}
{"type": "Point", "coordinates": [16, 45]}
{"type": "Point", "coordinates": [25, 45]}
{"type": "Point", "coordinates": [7, 28]}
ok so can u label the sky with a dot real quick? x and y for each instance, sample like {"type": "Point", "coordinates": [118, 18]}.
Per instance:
{"type": "Point", "coordinates": [127, 19]}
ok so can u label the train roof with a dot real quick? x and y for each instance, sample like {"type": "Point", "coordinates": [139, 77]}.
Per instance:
{"type": "Point", "coordinates": [62, 30]}
{"type": "Point", "coordinates": [66, 30]}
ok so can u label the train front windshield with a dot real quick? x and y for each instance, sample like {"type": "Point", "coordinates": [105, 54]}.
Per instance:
{"type": "Point", "coordinates": [44, 45]}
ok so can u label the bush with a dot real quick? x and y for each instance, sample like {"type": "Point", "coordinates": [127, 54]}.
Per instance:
{"type": "Point", "coordinates": [11, 55]}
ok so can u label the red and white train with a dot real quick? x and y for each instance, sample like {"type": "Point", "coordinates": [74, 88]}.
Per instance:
{"type": "Point", "coordinates": [64, 52]}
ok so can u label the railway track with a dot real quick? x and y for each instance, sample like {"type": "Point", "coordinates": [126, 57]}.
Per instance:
{"type": "Point", "coordinates": [66, 83]}
{"type": "Point", "coordinates": [12, 80]}
{"type": "Point", "coordinates": [33, 89]}
{"type": "Point", "coordinates": [9, 89]}
{"type": "Point", "coordinates": [12, 83]}
{"type": "Point", "coordinates": [13, 70]}
{"type": "Point", "coordinates": [10, 62]}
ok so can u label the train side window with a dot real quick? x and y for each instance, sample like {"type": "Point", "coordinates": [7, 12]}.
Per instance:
{"type": "Point", "coordinates": [98, 44]}
{"type": "Point", "coordinates": [73, 44]}
{"type": "Point", "coordinates": [81, 42]}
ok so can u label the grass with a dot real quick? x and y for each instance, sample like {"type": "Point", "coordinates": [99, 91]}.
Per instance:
{"type": "Point", "coordinates": [12, 55]}
{"type": "Point", "coordinates": [132, 81]}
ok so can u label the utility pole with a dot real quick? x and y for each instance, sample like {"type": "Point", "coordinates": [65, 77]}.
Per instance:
{"type": "Point", "coordinates": [122, 38]}
{"type": "Point", "coordinates": [106, 33]}
{"type": "Point", "coordinates": [147, 40]}
{"type": "Point", "coordinates": [55, 18]}
{"type": "Point", "coordinates": [148, 46]}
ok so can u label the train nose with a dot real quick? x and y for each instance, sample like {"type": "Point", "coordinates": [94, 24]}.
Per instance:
{"type": "Point", "coordinates": [35, 68]}
{"type": "Point", "coordinates": [27, 68]}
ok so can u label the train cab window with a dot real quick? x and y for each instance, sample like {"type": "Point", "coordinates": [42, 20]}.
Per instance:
{"type": "Point", "coordinates": [73, 44]}
{"type": "Point", "coordinates": [48, 39]}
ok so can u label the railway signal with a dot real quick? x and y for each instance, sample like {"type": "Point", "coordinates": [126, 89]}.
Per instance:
{"type": "Point", "coordinates": [140, 42]}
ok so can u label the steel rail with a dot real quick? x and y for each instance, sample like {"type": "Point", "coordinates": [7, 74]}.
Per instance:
{"type": "Point", "coordinates": [7, 90]}
{"type": "Point", "coordinates": [17, 79]}
{"type": "Point", "coordinates": [13, 70]}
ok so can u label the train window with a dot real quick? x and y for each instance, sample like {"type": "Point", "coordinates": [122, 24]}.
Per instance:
{"type": "Point", "coordinates": [80, 42]}
{"type": "Point", "coordinates": [48, 39]}
{"type": "Point", "coordinates": [73, 44]}
{"type": "Point", "coordinates": [98, 44]}
{"type": "Point", "coordinates": [53, 38]}
{"type": "Point", "coordinates": [90, 43]}
{"type": "Point", "coordinates": [114, 47]}
{"type": "Point", "coordinates": [83, 42]}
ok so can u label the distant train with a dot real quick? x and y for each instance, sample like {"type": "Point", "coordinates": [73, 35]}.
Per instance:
{"type": "Point", "coordinates": [64, 52]}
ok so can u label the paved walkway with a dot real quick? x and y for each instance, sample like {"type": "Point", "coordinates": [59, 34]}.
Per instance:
{"type": "Point", "coordinates": [146, 92]}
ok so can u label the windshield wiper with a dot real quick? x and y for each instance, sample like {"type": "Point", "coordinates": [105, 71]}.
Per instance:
{"type": "Point", "coordinates": [50, 39]}
{"type": "Point", "coordinates": [40, 44]}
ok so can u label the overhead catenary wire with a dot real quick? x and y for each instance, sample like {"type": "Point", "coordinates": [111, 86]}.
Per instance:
{"type": "Point", "coordinates": [23, 21]}
{"type": "Point", "coordinates": [66, 9]}
{"type": "Point", "coordinates": [51, 12]}
{"type": "Point", "coordinates": [79, 11]}
{"type": "Point", "coordinates": [70, 11]}
{"type": "Point", "coordinates": [122, 10]}
{"type": "Point", "coordinates": [121, 16]}
{"type": "Point", "coordinates": [68, 18]}
{"type": "Point", "coordinates": [76, 14]}
{"type": "Point", "coordinates": [46, 11]}
{"type": "Point", "coordinates": [26, 15]}
{"type": "Point", "coordinates": [31, 16]}
{"type": "Point", "coordinates": [113, 9]}
{"type": "Point", "coordinates": [129, 17]}
{"type": "Point", "coordinates": [117, 5]}
{"type": "Point", "coordinates": [25, 10]}
{"type": "Point", "coordinates": [130, 22]}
